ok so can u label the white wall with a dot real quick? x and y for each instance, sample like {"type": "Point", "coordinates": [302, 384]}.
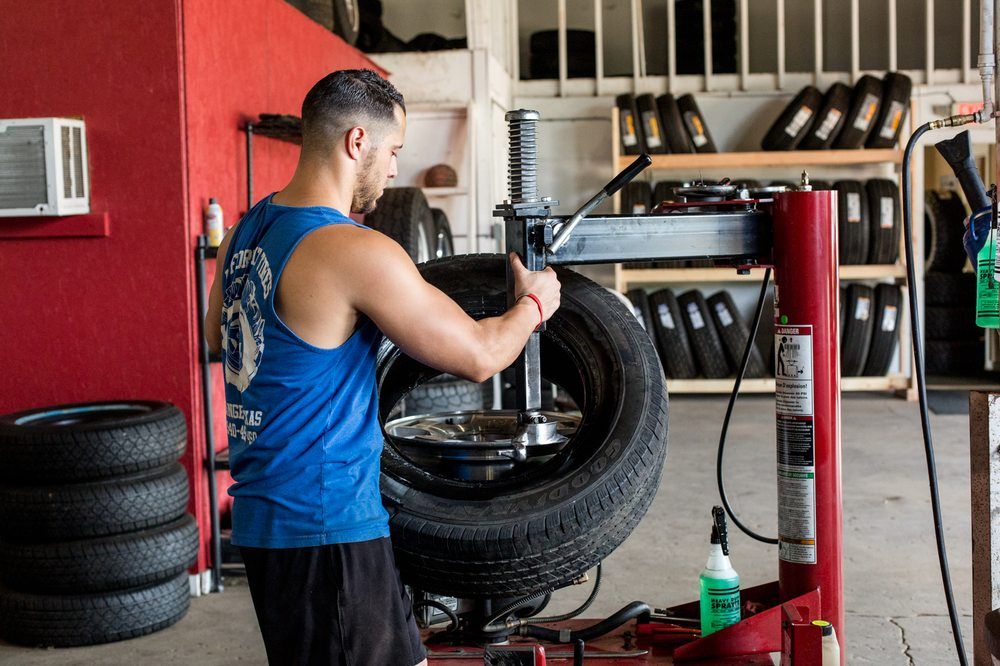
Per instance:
{"type": "Point", "coordinates": [406, 19]}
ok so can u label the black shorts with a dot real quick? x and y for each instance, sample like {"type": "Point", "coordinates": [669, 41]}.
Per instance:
{"type": "Point", "coordinates": [341, 604]}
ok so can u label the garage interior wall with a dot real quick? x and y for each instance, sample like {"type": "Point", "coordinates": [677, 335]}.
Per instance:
{"type": "Point", "coordinates": [164, 93]}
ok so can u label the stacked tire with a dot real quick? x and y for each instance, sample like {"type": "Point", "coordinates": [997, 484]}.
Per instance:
{"type": "Point", "coordinates": [94, 539]}
{"type": "Point", "coordinates": [868, 223]}
{"type": "Point", "coordinates": [870, 321]}
{"type": "Point", "coordinates": [403, 214]}
{"type": "Point", "coordinates": [695, 336]}
{"type": "Point", "coordinates": [954, 344]}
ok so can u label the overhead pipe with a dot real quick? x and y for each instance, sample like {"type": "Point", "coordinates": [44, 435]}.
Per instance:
{"type": "Point", "coordinates": [987, 56]}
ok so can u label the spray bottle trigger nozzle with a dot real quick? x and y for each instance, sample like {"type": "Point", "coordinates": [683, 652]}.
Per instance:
{"type": "Point", "coordinates": [719, 528]}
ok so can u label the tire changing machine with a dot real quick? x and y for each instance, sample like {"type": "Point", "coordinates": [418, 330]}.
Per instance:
{"type": "Point", "coordinates": [796, 233]}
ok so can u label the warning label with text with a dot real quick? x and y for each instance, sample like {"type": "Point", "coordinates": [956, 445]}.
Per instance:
{"type": "Point", "coordinates": [793, 397]}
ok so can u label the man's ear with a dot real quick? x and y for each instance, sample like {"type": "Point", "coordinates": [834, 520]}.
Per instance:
{"type": "Point", "coordinates": [356, 141]}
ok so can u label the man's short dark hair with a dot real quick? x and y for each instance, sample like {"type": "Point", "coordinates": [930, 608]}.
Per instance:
{"type": "Point", "coordinates": [345, 99]}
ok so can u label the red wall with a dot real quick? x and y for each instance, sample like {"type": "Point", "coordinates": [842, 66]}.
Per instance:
{"type": "Point", "coordinates": [163, 87]}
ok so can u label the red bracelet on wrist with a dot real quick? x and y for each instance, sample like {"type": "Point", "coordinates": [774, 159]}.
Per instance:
{"type": "Point", "coordinates": [541, 315]}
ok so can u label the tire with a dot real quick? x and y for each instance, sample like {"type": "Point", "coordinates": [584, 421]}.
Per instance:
{"type": "Point", "coordinates": [819, 185]}
{"type": "Point", "coordinates": [885, 324]}
{"type": "Point", "coordinates": [765, 334]}
{"type": "Point", "coordinates": [664, 191]}
{"type": "Point", "coordinates": [853, 222]}
{"type": "Point", "coordinates": [636, 198]}
{"type": "Point", "coordinates": [403, 215]}
{"type": "Point", "coordinates": [865, 102]}
{"type": "Point", "coordinates": [678, 139]}
{"type": "Point", "coordinates": [629, 126]}
{"type": "Point", "coordinates": [447, 396]}
{"type": "Point", "coordinates": [90, 440]}
{"type": "Point", "coordinates": [44, 513]}
{"type": "Point", "coordinates": [346, 20]}
{"type": "Point", "coordinates": [794, 122]}
{"type": "Point", "coordinates": [671, 336]}
{"type": "Point", "coordinates": [98, 565]}
{"type": "Point", "coordinates": [950, 289]}
{"type": "Point", "coordinates": [944, 218]}
{"type": "Point", "coordinates": [884, 227]}
{"type": "Point", "coordinates": [538, 529]}
{"type": "Point", "coordinates": [90, 619]}
{"type": "Point", "coordinates": [954, 358]}
{"type": "Point", "coordinates": [857, 336]}
{"type": "Point", "coordinates": [444, 243]}
{"type": "Point", "coordinates": [733, 331]}
{"type": "Point", "coordinates": [641, 309]}
{"type": "Point", "coordinates": [701, 333]}
{"type": "Point", "coordinates": [830, 119]}
{"type": "Point", "coordinates": [950, 323]}
{"type": "Point", "coordinates": [843, 310]}
{"type": "Point", "coordinates": [893, 106]}
{"type": "Point", "coordinates": [654, 139]}
{"type": "Point", "coordinates": [695, 124]}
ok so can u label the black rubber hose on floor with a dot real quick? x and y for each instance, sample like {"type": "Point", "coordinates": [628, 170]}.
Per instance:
{"type": "Point", "coordinates": [629, 612]}
{"type": "Point", "coordinates": [918, 364]}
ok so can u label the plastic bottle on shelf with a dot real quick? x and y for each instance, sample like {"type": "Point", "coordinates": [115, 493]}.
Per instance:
{"type": "Point", "coordinates": [213, 223]}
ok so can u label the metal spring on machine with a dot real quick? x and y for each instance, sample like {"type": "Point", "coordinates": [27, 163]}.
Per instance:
{"type": "Point", "coordinates": [522, 169]}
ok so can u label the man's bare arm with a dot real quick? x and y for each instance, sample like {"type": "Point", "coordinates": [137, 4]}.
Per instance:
{"type": "Point", "coordinates": [213, 317]}
{"type": "Point", "coordinates": [426, 323]}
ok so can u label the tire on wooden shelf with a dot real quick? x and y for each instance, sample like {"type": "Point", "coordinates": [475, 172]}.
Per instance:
{"type": "Point", "coordinates": [444, 243]}
{"type": "Point", "coordinates": [794, 122]}
{"type": "Point", "coordinates": [90, 440]}
{"type": "Point", "coordinates": [346, 20]}
{"type": "Point", "coordinates": [562, 515]}
{"type": "Point", "coordinates": [402, 214]}
{"type": "Point", "coordinates": [639, 302]}
{"type": "Point", "coordinates": [950, 289]}
{"type": "Point", "coordinates": [734, 331]}
{"type": "Point", "coordinates": [636, 198]}
{"type": "Point", "coordinates": [843, 309]}
{"type": "Point", "coordinates": [695, 124]}
{"type": "Point", "coordinates": [829, 120]}
{"type": "Point", "coordinates": [865, 101]}
{"type": "Point", "coordinates": [678, 139]}
{"type": "Point", "coordinates": [942, 322]}
{"type": "Point", "coordinates": [630, 128]}
{"type": "Point", "coordinates": [50, 512]}
{"type": "Point", "coordinates": [944, 218]}
{"type": "Point", "coordinates": [857, 333]}
{"type": "Point", "coordinates": [853, 222]}
{"type": "Point", "coordinates": [91, 619]}
{"type": "Point", "coordinates": [893, 106]}
{"type": "Point", "coordinates": [671, 336]}
{"type": "Point", "coordinates": [954, 358]}
{"type": "Point", "coordinates": [884, 225]}
{"type": "Point", "coordinates": [105, 563]}
{"type": "Point", "coordinates": [884, 334]}
{"type": "Point", "coordinates": [704, 338]}
{"type": "Point", "coordinates": [654, 140]}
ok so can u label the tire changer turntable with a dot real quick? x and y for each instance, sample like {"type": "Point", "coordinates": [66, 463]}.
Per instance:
{"type": "Point", "coordinates": [795, 232]}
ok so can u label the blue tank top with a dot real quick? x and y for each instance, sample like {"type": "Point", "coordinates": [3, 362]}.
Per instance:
{"type": "Point", "coordinates": [304, 436]}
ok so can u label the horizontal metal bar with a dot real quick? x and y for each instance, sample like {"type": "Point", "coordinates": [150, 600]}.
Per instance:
{"type": "Point", "coordinates": [742, 236]}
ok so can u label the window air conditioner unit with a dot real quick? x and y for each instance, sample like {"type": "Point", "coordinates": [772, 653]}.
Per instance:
{"type": "Point", "coordinates": [43, 167]}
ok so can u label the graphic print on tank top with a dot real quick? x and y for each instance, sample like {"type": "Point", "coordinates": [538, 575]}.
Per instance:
{"type": "Point", "coordinates": [249, 277]}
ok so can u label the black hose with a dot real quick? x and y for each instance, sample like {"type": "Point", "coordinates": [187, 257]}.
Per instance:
{"type": "Point", "coordinates": [629, 612]}
{"type": "Point", "coordinates": [495, 623]}
{"type": "Point", "coordinates": [584, 606]}
{"type": "Point", "coordinates": [747, 350]}
{"type": "Point", "coordinates": [918, 364]}
{"type": "Point", "coordinates": [441, 607]}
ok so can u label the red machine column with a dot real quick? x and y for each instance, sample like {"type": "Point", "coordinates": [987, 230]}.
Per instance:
{"type": "Point", "coordinates": [807, 400]}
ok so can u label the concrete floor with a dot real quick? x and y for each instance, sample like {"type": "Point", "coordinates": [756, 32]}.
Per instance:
{"type": "Point", "coordinates": [896, 610]}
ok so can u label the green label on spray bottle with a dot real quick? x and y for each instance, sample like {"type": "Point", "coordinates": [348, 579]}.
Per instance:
{"type": "Point", "coordinates": [720, 603]}
{"type": "Point", "coordinates": [987, 287]}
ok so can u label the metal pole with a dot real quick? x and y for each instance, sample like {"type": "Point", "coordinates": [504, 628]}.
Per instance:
{"type": "Point", "coordinates": [206, 388]}
{"type": "Point", "coordinates": [807, 402]}
{"type": "Point", "coordinates": [249, 166]}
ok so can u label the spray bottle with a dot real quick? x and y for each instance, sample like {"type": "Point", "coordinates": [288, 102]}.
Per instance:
{"type": "Point", "coordinates": [213, 223]}
{"type": "Point", "coordinates": [987, 287]}
{"type": "Point", "coordinates": [720, 584]}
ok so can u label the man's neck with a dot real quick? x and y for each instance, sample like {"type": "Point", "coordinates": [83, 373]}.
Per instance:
{"type": "Point", "coordinates": [312, 186]}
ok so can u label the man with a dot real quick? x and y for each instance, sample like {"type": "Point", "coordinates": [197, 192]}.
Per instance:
{"type": "Point", "coordinates": [301, 294]}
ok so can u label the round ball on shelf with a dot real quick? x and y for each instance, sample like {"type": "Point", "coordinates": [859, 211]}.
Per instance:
{"type": "Point", "coordinates": [441, 175]}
